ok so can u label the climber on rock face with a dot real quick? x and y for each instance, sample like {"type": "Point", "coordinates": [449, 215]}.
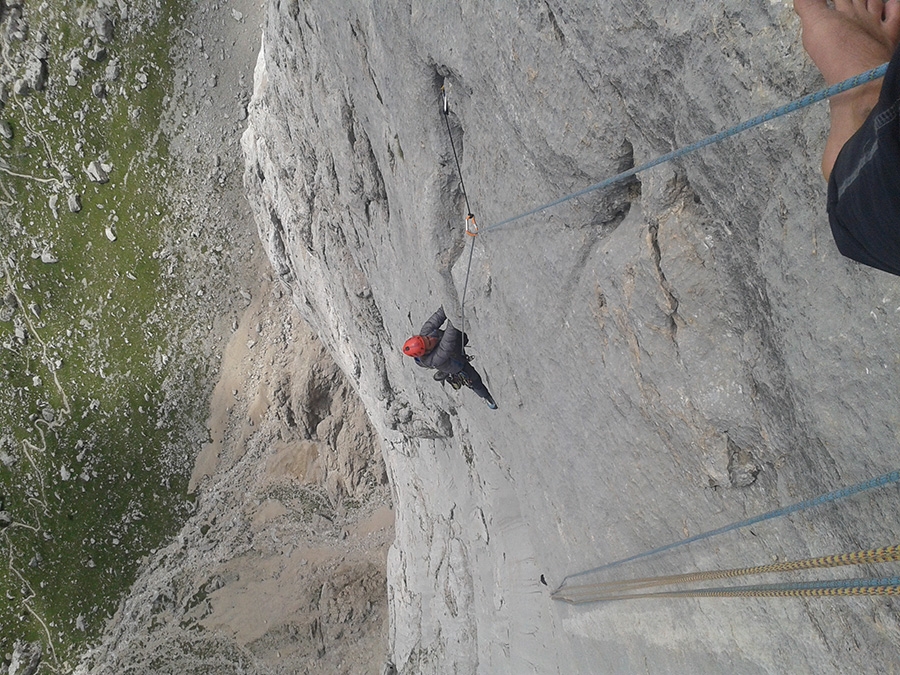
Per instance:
{"type": "Point", "coordinates": [442, 350]}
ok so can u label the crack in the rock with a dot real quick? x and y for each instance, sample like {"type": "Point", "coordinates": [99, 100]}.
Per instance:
{"type": "Point", "coordinates": [671, 309]}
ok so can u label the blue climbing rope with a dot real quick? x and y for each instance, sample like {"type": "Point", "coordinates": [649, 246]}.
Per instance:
{"type": "Point", "coordinates": [807, 100]}
{"type": "Point", "coordinates": [880, 481]}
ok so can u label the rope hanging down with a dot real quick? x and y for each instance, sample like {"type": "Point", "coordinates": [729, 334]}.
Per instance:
{"type": "Point", "coordinates": [616, 589]}
{"type": "Point", "coordinates": [820, 588]}
{"type": "Point", "coordinates": [807, 100]}
{"type": "Point", "coordinates": [879, 481]}
{"type": "Point", "coordinates": [471, 225]}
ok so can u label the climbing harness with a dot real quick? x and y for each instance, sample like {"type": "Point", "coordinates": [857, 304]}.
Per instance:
{"type": "Point", "coordinates": [616, 590]}
{"type": "Point", "coordinates": [458, 381]}
{"type": "Point", "coordinates": [807, 100]}
{"type": "Point", "coordinates": [471, 226]}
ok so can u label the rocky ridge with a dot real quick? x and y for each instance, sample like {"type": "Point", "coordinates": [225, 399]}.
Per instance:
{"type": "Point", "coordinates": [669, 356]}
{"type": "Point", "coordinates": [281, 567]}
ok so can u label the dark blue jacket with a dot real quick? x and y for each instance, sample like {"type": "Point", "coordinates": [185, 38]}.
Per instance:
{"type": "Point", "coordinates": [447, 356]}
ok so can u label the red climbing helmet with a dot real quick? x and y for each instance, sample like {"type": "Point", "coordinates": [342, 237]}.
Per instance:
{"type": "Point", "coordinates": [418, 345]}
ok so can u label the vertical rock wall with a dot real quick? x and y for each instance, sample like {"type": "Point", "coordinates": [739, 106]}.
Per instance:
{"type": "Point", "coordinates": [669, 356]}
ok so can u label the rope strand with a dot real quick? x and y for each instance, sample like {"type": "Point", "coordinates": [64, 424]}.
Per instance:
{"type": "Point", "coordinates": [590, 592]}
{"type": "Point", "coordinates": [807, 100]}
{"type": "Point", "coordinates": [445, 107]}
{"type": "Point", "coordinates": [879, 481]}
{"type": "Point", "coordinates": [819, 588]}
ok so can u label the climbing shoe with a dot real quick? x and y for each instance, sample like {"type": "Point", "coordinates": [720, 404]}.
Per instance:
{"type": "Point", "coordinates": [491, 404]}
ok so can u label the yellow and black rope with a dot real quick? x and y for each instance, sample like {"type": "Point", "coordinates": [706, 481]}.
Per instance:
{"type": "Point", "coordinates": [619, 589]}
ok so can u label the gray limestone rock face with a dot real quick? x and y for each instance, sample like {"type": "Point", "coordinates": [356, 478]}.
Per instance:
{"type": "Point", "coordinates": [112, 71]}
{"type": "Point", "coordinates": [21, 87]}
{"type": "Point", "coordinates": [670, 355]}
{"type": "Point", "coordinates": [36, 73]}
{"type": "Point", "coordinates": [16, 28]}
{"type": "Point", "coordinates": [25, 659]}
{"type": "Point", "coordinates": [97, 173]}
{"type": "Point", "coordinates": [97, 53]}
{"type": "Point", "coordinates": [103, 25]}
